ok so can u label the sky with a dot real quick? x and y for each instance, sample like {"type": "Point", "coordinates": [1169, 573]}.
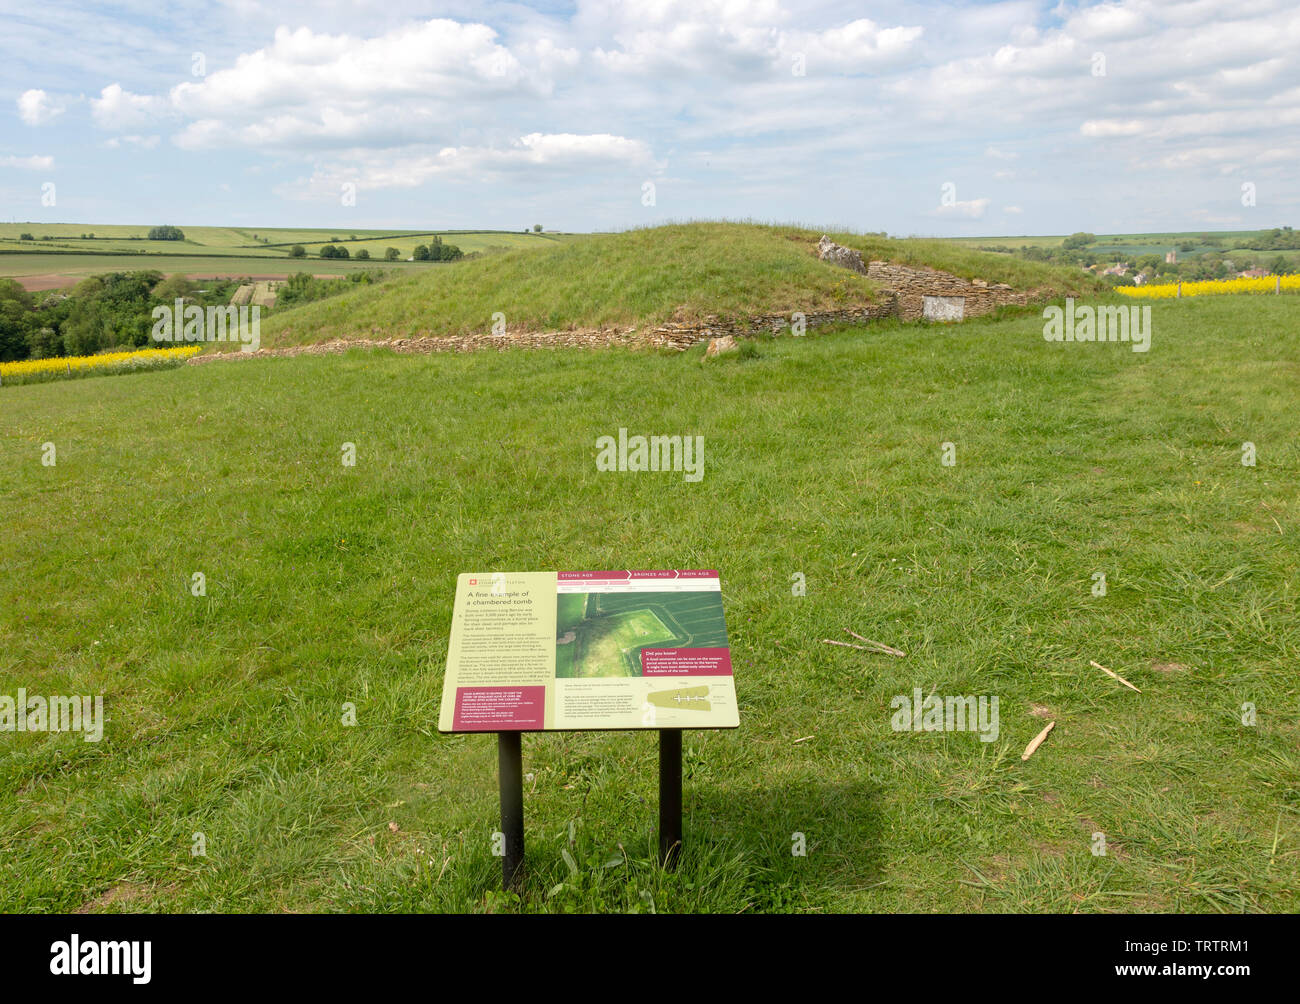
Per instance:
{"type": "Point", "coordinates": [999, 118]}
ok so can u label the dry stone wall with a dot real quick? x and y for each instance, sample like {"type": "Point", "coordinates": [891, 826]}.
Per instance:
{"type": "Point", "coordinates": [774, 324]}
{"type": "Point", "coordinates": [912, 287]}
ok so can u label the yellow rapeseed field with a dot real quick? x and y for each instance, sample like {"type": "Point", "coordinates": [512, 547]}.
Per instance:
{"type": "Point", "coordinates": [26, 370]}
{"type": "Point", "coordinates": [1211, 287]}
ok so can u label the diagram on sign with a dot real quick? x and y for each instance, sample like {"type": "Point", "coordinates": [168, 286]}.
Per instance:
{"type": "Point", "coordinates": [686, 699]}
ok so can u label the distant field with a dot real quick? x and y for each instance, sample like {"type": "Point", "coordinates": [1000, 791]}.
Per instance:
{"type": "Point", "coordinates": [45, 271]}
{"type": "Point", "coordinates": [72, 253]}
{"type": "Point", "coordinates": [468, 242]}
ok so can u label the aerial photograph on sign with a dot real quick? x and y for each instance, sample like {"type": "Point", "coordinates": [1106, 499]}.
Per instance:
{"type": "Point", "coordinates": [602, 634]}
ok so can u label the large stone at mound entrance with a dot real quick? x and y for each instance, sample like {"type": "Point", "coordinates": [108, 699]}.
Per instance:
{"type": "Point", "coordinates": [943, 308]}
{"type": "Point", "coordinates": [717, 346]}
{"type": "Point", "coordinates": [838, 254]}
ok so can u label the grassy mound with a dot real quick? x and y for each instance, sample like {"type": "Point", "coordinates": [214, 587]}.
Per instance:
{"type": "Point", "coordinates": [678, 272]}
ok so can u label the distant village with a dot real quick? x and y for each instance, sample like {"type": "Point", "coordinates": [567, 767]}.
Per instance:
{"type": "Point", "coordinates": [1142, 271]}
{"type": "Point", "coordinates": [1250, 255]}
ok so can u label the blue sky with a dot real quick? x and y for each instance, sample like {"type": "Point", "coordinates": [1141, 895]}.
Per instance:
{"type": "Point", "coordinates": [952, 119]}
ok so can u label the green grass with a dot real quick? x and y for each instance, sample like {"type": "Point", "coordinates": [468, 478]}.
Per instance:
{"type": "Point", "coordinates": [682, 272]}
{"type": "Point", "coordinates": [329, 585]}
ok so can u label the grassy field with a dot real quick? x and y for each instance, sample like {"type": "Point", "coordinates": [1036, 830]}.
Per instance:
{"type": "Point", "coordinates": [71, 268]}
{"type": "Point", "coordinates": [329, 585]}
{"type": "Point", "coordinates": [682, 272]}
{"type": "Point", "coordinates": [72, 253]}
{"type": "Point", "coordinates": [470, 243]}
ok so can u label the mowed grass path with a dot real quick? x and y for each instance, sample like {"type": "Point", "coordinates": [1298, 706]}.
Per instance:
{"type": "Point", "coordinates": [328, 585]}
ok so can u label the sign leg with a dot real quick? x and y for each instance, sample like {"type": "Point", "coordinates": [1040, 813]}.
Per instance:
{"type": "Point", "coordinates": [670, 796]}
{"type": "Point", "coordinates": [510, 768]}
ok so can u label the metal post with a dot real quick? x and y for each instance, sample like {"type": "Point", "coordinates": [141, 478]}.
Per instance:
{"type": "Point", "coordinates": [510, 768]}
{"type": "Point", "coordinates": [670, 796]}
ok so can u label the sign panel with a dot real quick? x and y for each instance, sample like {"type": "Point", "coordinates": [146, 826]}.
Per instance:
{"type": "Point", "coordinates": [559, 651]}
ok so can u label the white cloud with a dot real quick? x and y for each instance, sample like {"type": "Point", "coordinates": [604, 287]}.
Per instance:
{"type": "Point", "coordinates": [35, 107]}
{"type": "Point", "coordinates": [854, 48]}
{"type": "Point", "coordinates": [142, 142]}
{"type": "Point", "coordinates": [116, 108]}
{"type": "Point", "coordinates": [1101, 128]}
{"type": "Point", "coordinates": [741, 38]}
{"type": "Point", "coordinates": [532, 154]}
{"type": "Point", "coordinates": [406, 85]}
{"type": "Point", "coordinates": [27, 163]}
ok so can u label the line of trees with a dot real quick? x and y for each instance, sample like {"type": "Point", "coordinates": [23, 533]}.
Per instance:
{"type": "Point", "coordinates": [166, 233]}
{"type": "Point", "coordinates": [304, 288]}
{"type": "Point", "coordinates": [437, 251]}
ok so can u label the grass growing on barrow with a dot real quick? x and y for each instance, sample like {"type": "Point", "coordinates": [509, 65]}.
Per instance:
{"type": "Point", "coordinates": [328, 585]}
{"type": "Point", "coordinates": [682, 271]}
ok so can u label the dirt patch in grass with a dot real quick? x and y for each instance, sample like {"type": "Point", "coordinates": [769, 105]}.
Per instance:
{"type": "Point", "coordinates": [1169, 667]}
{"type": "Point", "coordinates": [121, 894]}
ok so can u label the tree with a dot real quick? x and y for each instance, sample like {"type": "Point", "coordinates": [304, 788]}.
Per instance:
{"type": "Point", "coordinates": [363, 255]}
{"type": "Point", "coordinates": [26, 237]}
{"type": "Point", "coordinates": [297, 251]}
{"type": "Point", "coordinates": [17, 322]}
{"type": "Point", "coordinates": [421, 253]}
{"type": "Point", "coordinates": [438, 251]}
{"type": "Point", "coordinates": [173, 288]}
{"type": "Point", "coordinates": [165, 233]}
{"type": "Point", "coordinates": [391, 254]}
{"type": "Point", "coordinates": [537, 228]}
{"type": "Point", "coordinates": [1079, 239]}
